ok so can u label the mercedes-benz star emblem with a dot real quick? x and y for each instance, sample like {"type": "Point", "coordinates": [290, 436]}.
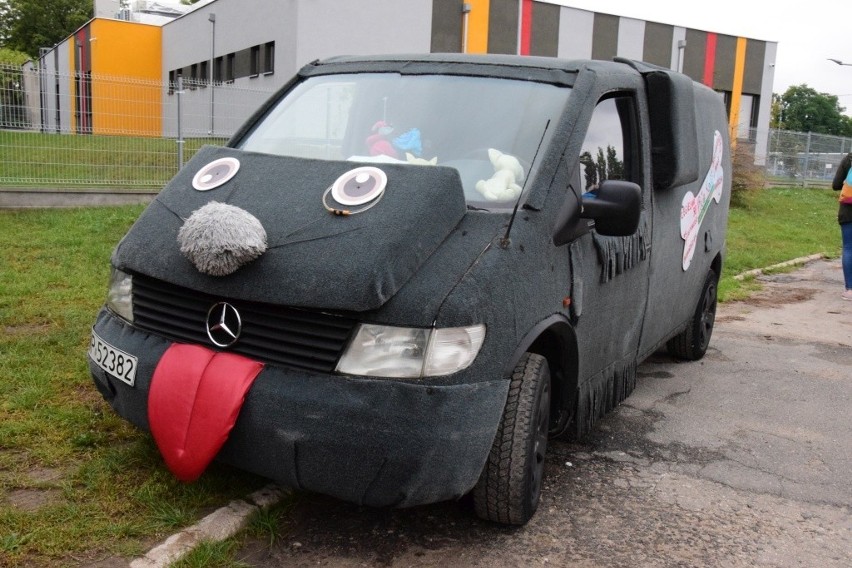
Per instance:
{"type": "Point", "coordinates": [223, 324]}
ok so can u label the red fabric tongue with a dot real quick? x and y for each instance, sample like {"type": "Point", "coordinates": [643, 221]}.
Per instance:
{"type": "Point", "coordinates": [193, 402]}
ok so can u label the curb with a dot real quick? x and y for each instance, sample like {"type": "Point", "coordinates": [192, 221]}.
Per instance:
{"type": "Point", "coordinates": [793, 262]}
{"type": "Point", "coordinates": [51, 198]}
{"type": "Point", "coordinates": [219, 525]}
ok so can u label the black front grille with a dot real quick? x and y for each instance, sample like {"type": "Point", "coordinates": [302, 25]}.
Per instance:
{"type": "Point", "coordinates": [272, 334]}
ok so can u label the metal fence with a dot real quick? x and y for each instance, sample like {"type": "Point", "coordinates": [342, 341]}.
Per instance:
{"type": "Point", "coordinates": [84, 130]}
{"type": "Point", "coordinates": [800, 158]}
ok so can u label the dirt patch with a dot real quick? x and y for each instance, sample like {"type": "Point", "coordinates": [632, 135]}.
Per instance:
{"type": "Point", "coordinates": [44, 474]}
{"type": "Point", "coordinates": [32, 499]}
{"type": "Point", "coordinates": [771, 297]}
{"type": "Point", "coordinates": [105, 562]}
{"type": "Point", "coordinates": [26, 329]}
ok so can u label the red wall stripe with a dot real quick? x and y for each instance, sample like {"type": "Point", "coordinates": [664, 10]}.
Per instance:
{"type": "Point", "coordinates": [709, 59]}
{"type": "Point", "coordinates": [526, 26]}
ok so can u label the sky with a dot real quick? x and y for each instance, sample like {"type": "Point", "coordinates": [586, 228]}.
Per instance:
{"type": "Point", "coordinates": [807, 34]}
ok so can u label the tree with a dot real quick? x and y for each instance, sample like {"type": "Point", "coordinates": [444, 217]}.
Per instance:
{"type": "Point", "coordinates": [802, 109]}
{"type": "Point", "coordinates": [27, 25]}
{"type": "Point", "coordinates": [12, 99]}
{"type": "Point", "coordinates": [12, 57]}
{"type": "Point", "coordinates": [4, 17]}
{"type": "Point", "coordinates": [605, 165]}
{"type": "Point", "coordinates": [614, 166]}
{"type": "Point", "coordinates": [775, 118]}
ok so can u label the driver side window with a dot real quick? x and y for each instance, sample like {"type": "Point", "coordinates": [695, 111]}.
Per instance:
{"type": "Point", "coordinates": [610, 143]}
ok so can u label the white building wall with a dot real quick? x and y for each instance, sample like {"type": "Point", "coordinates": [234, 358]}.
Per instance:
{"type": "Point", "coordinates": [765, 105]}
{"type": "Point", "coordinates": [56, 77]}
{"type": "Point", "coordinates": [362, 27]}
{"type": "Point", "coordinates": [631, 38]}
{"type": "Point", "coordinates": [218, 111]}
{"type": "Point", "coordinates": [106, 8]}
{"type": "Point", "coordinates": [303, 31]}
{"type": "Point", "coordinates": [575, 33]}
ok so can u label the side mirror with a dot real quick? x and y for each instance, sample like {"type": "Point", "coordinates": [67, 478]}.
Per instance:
{"type": "Point", "coordinates": [615, 206]}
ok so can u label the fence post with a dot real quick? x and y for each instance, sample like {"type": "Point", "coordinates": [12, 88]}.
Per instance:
{"type": "Point", "coordinates": [807, 160]}
{"type": "Point", "coordinates": [179, 94]}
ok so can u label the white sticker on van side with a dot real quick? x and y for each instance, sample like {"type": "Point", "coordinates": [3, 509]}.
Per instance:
{"type": "Point", "coordinates": [694, 207]}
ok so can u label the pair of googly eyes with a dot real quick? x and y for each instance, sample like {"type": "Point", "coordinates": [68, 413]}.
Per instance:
{"type": "Point", "coordinates": [355, 187]}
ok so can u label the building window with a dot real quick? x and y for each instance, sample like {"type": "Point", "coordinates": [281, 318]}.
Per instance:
{"type": "Point", "coordinates": [193, 76]}
{"type": "Point", "coordinates": [269, 58]}
{"type": "Point", "coordinates": [254, 62]}
{"type": "Point", "coordinates": [229, 67]}
{"type": "Point", "coordinates": [204, 73]}
{"type": "Point", "coordinates": [218, 69]}
{"type": "Point", "coordinates": [172, 82]}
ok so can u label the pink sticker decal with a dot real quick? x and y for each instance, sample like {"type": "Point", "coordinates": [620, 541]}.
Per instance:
{"type": "Point", "coordinates": [694, 207]}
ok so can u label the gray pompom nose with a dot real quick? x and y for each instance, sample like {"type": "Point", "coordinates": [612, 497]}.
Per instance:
{"type": "Point", "coordinates": [219, 238]}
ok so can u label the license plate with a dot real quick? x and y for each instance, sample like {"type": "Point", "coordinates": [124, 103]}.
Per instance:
{"type": "Point", "coordinates": [114, 361]}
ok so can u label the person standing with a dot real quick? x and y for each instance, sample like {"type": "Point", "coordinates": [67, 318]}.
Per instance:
{"type": "Point", "coordinates": [843, 183]}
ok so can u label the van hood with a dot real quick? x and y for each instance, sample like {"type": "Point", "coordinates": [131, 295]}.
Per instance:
{"type": "Point", "coordinates": [309, 257]}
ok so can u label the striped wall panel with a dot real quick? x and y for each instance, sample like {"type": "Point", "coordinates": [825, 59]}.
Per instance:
{"type": "Point", "coordinates": [657, 44]}
{"type": "Point", "coordinates": [528, 27]}
{"type": "Point", "coordinates": [503, 27]}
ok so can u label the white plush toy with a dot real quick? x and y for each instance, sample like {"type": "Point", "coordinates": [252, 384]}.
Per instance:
{"type": "Point", "coordinates": [412, 159]}
{"type": "Point", "coordinates": [504, 184]}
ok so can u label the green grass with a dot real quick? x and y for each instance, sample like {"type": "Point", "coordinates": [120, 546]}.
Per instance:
{"type": "Point", "coordinates": [775, 225]}
{"type": "Point", "coordinates": [264, 526]}
{"type": "Point", "coordinates": [100, 486]}
{"type": "Point", "coordinates": [33, 159]}
{"type": "Point", "coordinates": [212, 555]}
{"type": "Point", "coordinates": [76, 481]}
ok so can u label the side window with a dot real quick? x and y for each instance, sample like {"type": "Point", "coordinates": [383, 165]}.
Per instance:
{"type": "Point", "coordinates": [610, 144]}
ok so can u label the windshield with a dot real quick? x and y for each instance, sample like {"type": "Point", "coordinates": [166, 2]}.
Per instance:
{"type": "Point", "coordinates": [488, 129]}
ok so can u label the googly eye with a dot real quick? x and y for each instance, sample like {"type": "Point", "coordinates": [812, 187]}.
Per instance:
{"type": "Point", "coordinates": [215, 173]}
{"type": "Point", "coordinates": [359, 186]}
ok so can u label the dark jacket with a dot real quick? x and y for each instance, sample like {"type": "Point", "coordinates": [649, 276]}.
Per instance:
{"type": "Point", "coordinates": [844, 214]}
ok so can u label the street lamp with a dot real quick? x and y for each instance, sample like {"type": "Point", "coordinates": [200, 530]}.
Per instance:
{"type": "Point", "coordinates": [42, 97]}
{"type": "Point", "coordinates": [839, 62]}
{"type": "Point", "coordinates": [212, 18]}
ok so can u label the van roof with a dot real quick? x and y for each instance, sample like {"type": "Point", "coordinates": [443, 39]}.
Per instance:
{"type": "Point", "coordinates": [534, 68]}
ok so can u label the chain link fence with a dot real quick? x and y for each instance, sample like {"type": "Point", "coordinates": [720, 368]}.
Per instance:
{"type": "Point", "coordinates": [84, 130]}
{"type": "Point", "coordinates": [800, 158]}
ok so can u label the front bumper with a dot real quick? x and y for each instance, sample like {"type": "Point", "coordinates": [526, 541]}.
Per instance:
{"type": "Point", "coordinates": [375, 442]}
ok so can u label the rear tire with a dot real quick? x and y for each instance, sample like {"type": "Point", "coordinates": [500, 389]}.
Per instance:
{"type": "Point", "coordinates": [509, 486]}
{"type": "Point", "coordinates": [691, 344]}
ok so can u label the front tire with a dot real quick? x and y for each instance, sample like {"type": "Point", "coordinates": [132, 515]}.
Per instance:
{"type": "Point", "coordinates": [691, 344]}
{"type": "Point", "coordinates": [509, 486]}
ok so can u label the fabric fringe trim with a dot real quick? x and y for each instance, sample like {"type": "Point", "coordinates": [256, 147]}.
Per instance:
{"type": "Point", "coordinates": [602, 393]}
{"type": "Point", "coordinates": [617, 254]}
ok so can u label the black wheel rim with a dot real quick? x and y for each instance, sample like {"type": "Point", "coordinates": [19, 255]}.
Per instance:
{"type": "Point", "coordinates": [542, 422]}
{"type": "Point", "coordinates": [708, 316]}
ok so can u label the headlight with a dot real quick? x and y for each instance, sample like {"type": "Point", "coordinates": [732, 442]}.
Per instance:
{"type": "Point", "coordinates": [120, 294]}
{"type": "Point", "coordinates": [384, 351]}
